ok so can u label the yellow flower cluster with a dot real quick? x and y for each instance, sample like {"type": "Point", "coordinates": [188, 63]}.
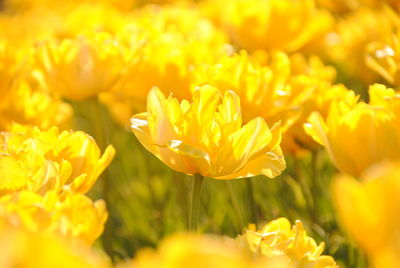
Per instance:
{"type": "Point", "coordinates": [271, 24]}
{"type": "Point", "coordinates": [44, 176]}
{"type": "Point", "coordinates": [21, 100]}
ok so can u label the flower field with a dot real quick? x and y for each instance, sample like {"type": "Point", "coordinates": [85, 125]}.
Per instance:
{"type": "Point", "coordinates": [208, 133]}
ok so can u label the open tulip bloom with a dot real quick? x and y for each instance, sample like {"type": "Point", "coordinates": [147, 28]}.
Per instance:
{"type": "Point", "coordinates": [207, 137]}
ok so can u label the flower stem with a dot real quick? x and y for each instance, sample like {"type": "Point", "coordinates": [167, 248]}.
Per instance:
{"type": "Point", "coordinates": [235, 204]}
{"type": "Point", "coordinates": [252, 202]}
{"type": "Point", "coordinates": [195, 206]}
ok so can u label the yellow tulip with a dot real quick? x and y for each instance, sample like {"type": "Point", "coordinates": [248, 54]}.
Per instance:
{"type": "Point", "coordinates": [273, 24]}
{"type": "Point", "coordinates": [39, 161]}
{"type": "Point", "coordinates": [19, 248]}
{"type": "Point", "coordinates": [278, 238]}
{"type": "Point", "coordinates": [73, 216]}
{"type": "Point", "coordinates": [81, 68]}
{"type": "Point", "coordinates": [347, 44]}
{"type": "Point", "coordinates": [373, 218]}
{"type": "Point", "coordinates": [188, 250]}
{"type": "Point", "coordinates": [206, 137]}
{"type": "Point", "coordinates": [384, 58]}
{"type": "Point", "coordinates": [360, 136]}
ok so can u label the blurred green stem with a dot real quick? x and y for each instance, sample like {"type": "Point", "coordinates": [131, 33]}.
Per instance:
{"type": "Point", "coordinates": [195, 206]}
{"type": "Point", "coordinates": [314, 183]}
{"type": "Point", "coordinates": [252, 203]}
{"type": "Point", "coordinates": [235, 203]}
{"type": "Point", "coordinates": [98, 124]}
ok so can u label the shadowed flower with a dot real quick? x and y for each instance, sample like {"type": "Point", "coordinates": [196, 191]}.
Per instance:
{"type": "Point", "coordinates": [207, 136]}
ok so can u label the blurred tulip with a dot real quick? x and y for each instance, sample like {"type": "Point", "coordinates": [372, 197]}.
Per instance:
{"type": "Point", "coordinates": [360, 136]}
{"type": "Point", "coordinates": [188, 250]}
{"type": "Point", "coordinates": [80, 69]}
{"type": "Point", "coordinates": [273, 24]}
{"type": "Point", "coordinates": [347, 44]}
{"type": "Point", "coordinates": [384, 58]}
{"type": "Point", "coordinates": [373, 218]}
{"type": "Point", "coordinates": [25, 105]}
{"type": "Point", "coordinates": [24, 249]}
{"type": "Point", "coordinates": [206, 137]}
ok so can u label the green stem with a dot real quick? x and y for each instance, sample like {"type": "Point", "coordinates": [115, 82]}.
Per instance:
{"type": "Point", "coordinates": [252, 202]}
{"type": "Point", "coordinates": [195, 206]}
{"type": "Point", "coordinates": [235, 203]}
{"type": "Point", "coordinates": [98, 123]}
{"type": "Point", "coordinates": [314, 183]}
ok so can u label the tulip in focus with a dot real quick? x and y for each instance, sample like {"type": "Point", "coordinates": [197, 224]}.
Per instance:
{"type": "Point", "coordinates": [206, 136]}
